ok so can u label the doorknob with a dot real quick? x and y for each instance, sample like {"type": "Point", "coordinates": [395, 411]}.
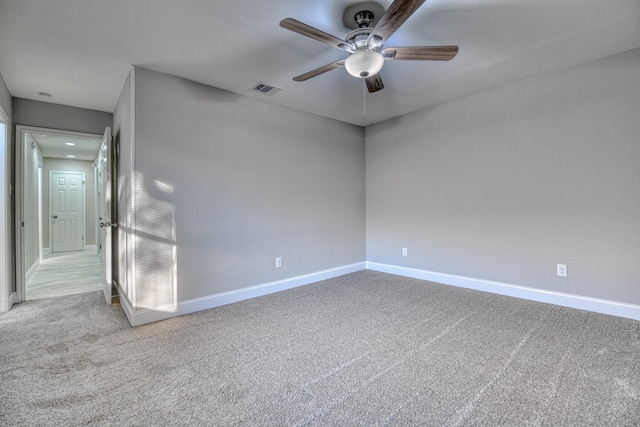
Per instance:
{"type": "Point", "coordinates": [55, 216]}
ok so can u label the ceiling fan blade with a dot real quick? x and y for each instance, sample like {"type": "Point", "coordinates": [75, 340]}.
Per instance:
{"type": "Point", "coordinates": [394, 17]}
{"type": "Point", "coordinates": [424, 53]}
{"type": "Point", "coordinates": [309, 31]}
{"type": "Point", "coordinates": [318, 71]}
{"type": "Point", "coordinates": [374, 83]}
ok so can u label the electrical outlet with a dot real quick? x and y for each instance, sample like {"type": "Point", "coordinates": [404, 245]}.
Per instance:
{"type": "Point", "coordinates": [561, 270]}
{"type": "Point", "coordinates": [278, 262]}
{"type": "Point", "coordinates": [404, 252]}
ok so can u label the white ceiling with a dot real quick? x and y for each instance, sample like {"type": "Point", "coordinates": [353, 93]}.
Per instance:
{"type": "Point", "coordinates": [62, 146]}
{"type": "Point", "coordinates": [80, 51]}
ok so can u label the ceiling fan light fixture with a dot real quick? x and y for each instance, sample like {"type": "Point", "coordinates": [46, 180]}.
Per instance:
{"type": "Point", "coordinates": [364, 63]}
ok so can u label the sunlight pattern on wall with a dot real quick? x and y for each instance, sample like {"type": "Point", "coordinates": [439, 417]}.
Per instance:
{"type": "Point", "coordinates": [154, 241]}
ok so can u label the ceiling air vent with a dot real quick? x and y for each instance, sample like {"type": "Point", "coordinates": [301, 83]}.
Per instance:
{"type": "Point", "coordinates": [266, 89]}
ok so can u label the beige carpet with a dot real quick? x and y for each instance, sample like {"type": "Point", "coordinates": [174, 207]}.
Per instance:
{"type": "Point", "coordinates": [363, 349]}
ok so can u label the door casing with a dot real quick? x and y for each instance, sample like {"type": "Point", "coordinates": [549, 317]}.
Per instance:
{"type": "Point", "coordinates": [7, 296]}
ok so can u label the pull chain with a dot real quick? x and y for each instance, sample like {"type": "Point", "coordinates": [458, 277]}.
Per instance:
{"type": "Point", "coordinates": [364, 100]}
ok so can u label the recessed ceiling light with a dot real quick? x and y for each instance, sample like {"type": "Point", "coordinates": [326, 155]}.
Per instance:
{"type": "Point", "coordinates": [69, 143]}
{"type": "Point", "coordinates": [44, 94]}
{"type": "Point", "coordinates": [71, 156]}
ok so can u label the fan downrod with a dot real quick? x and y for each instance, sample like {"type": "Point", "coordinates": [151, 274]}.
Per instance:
{"type": "Point", "coordinates": [365, 14]}
{"type": "Point", "coordinates": [364, 18]}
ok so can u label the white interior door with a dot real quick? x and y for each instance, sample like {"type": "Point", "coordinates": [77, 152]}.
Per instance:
{"type": "Point", "coordinates": [67, 211]}
{"type": "Point", "coordinates": [105, 211]}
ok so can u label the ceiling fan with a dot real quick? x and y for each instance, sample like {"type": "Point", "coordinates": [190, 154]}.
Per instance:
{"type": "Point", "coordinates": [365, 44]}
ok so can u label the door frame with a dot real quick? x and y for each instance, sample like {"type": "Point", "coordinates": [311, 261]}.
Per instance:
{"type": "Point", "coordinates": [7, 296]}
{"type": "Point", "coordinates": [84, 206]}
{"type": "Point", "coordinates": [21, 131]}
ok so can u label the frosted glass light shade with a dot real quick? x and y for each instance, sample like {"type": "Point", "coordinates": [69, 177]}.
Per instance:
{"type": "Point", "coordinates": [364, 63]}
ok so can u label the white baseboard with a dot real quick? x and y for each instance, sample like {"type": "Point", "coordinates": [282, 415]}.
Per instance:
{"type": "Point", "coordinates": [31, 270]}
{"type": "Point", "coordinates": [141, 317]}
{"type": "Point", "coordinates": [127, 307]}
{"type": "Point", "coordinates": [613, 308]}
{"type": "Point", "coordinates": [12, 299]}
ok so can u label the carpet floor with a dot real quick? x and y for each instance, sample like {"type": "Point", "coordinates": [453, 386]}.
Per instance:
{"type": "Point", "coordinates": [363, 349]}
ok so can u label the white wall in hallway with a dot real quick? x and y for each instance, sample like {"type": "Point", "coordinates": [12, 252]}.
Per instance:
{"type": "Point", "coordinates": [32, 161]}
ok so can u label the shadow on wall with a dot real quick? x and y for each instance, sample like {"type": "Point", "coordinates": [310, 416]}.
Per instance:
{"type": "Point", "coordinates": [154, 244]}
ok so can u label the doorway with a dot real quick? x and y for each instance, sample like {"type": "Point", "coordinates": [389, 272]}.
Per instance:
{"type": "Point", "coordinates": [57, 200]}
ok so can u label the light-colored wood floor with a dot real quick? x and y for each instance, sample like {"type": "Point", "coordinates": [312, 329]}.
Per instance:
{"type": "Point", "coordinates": [66, 273]}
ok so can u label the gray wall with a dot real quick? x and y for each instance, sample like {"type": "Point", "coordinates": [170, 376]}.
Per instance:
{"type": "Point", "coordinates": [508, 183]}
{"type": "Point", "coordinates": [224, 184]}
{"type": "Point", "coordinates": [5, 98]}
{"type": "Point", "coordinates": [63, 165]}
{"type": "Point", "coordinates": [54, 116]}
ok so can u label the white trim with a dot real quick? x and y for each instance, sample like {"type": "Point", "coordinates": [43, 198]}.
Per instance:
{"type": "Point", "coordinates": [130, 238]}
{"type": "Point", "coordinates": [5, 206]}
{"type": "Point", "coordinates": [96, 202]}
{"type": "Point", "coordinates": [597, 305]}
{"type": "Point", "coordinates": [140, 317]}
{"type": "Point", "coordinates": [12, 299]}
{"type": "Point", "coordinates": [40, 172]}
{"type": "Point", "coordinates": [128, 309]}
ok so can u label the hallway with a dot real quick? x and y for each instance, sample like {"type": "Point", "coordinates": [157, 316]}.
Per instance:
{"type": "Point", "coordinates": [66, 273]}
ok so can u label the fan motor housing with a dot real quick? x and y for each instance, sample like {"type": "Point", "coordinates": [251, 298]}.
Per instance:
{"type": "Point", "coordinates": [359, 37]}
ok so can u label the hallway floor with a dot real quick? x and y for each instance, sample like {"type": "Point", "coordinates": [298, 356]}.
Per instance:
{"type": "Point", "coordinates": [66, 273]}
